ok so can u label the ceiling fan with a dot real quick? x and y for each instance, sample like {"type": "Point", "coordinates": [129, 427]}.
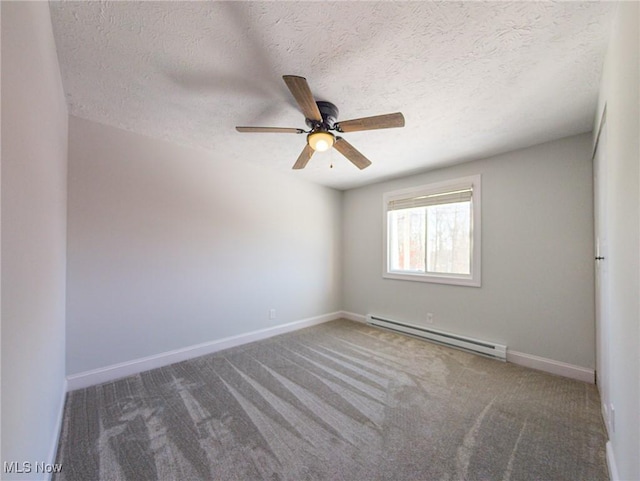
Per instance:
{"type": "Point", "coordinates": [322, 118]}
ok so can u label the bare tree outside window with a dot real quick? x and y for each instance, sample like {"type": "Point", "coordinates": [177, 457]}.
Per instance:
{"type": "Point", "coordinates": [449, 238]}
{"type": "Point", "coordinates": [431, 239]}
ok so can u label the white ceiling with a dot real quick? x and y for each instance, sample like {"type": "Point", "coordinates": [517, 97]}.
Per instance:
{"type": "Point", "coordinates": [472, 79]}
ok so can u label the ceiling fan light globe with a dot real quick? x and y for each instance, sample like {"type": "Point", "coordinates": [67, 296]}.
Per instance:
{"type": "Point", "coordinates": [321, 145]}
{"type": "Point", "coordinates": [321, 141]}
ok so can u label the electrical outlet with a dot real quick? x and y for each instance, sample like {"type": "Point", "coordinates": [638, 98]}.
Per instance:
{"type": "Point", "coordinates": [429, 318]}
{"type": "Point", "coordinates": [272, 313]}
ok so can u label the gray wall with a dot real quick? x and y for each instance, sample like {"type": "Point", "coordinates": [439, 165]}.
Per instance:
{"type": "Point", "coordinates": [537, 255]}
{"type": "Point", "coordinates": [34, 169]}
{"type": "Point", "coordinates": [619, 91]}
{"type": "Point", "coordinates": [171, 247]}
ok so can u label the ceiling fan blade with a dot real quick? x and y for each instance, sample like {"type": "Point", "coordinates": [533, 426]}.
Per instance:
{"type": "Point", "coordinates": [302, 93]}
{"type": "Point", "coordinates": [386, 121]}
{"type": "Point", "coordinates": [304, 157]}
{"type": "Point", "coordinates": [350, 152]}
{"type": "Point", "coordinates": [272, 130]}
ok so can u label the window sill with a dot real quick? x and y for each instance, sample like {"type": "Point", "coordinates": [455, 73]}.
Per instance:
{"type": "Point", "coordinates": [436, 279]}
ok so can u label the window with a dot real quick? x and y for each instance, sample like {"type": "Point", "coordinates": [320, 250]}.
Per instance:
{"type": "Point", "coordinates": [432, 233]}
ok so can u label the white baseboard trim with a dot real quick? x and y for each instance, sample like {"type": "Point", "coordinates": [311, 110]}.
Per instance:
{"type": "Point", "coordinates": [117, 371]}
{"type": "Point", "coordinates": [352, 316]}
{"type": "Point", "coordinates": [553, 367]}
{"type": "Point", "coordinates": [611, 463]}
{"type": "Point", "coordinates": [53, 450]}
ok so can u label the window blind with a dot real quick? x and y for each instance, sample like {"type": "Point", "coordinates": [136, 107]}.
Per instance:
{"type": "Point", "coordinates": [450, 196]}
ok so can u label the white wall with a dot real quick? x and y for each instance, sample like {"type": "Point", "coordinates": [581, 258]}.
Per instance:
{"type": "Point", "coordinates": [34, 169]}
{"type": "Point", "coordinates": [537, 255]}
{"type": "Point", "coordinates": [171, 247]}
{"type": "Point", "coordinates": [619, 91]}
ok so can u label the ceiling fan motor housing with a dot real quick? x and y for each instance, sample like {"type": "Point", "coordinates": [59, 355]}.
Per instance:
{"type": "Point", "coordinates": [329, 114]}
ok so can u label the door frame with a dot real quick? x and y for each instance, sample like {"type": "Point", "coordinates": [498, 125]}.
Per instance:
{"type": "Point", "coordinates": [601, 274]}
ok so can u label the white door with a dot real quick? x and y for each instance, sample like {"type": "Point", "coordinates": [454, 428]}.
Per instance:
{"type": "Point", "coordinates": [601, 271]}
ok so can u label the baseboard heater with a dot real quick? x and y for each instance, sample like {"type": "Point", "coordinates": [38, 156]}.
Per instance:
{"type": "Point", "coordinates": [484, 348]}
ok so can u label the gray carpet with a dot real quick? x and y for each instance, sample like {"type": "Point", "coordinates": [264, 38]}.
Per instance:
{"type": "Point", "coordinates": [339, 401]}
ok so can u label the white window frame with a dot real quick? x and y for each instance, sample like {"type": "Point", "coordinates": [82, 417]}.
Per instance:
{"type": "Point", "coordinates": [474, 278]}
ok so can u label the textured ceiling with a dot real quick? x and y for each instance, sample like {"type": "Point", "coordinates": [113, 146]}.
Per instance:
{"type": "Point", "coordinates": [472, 79]}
